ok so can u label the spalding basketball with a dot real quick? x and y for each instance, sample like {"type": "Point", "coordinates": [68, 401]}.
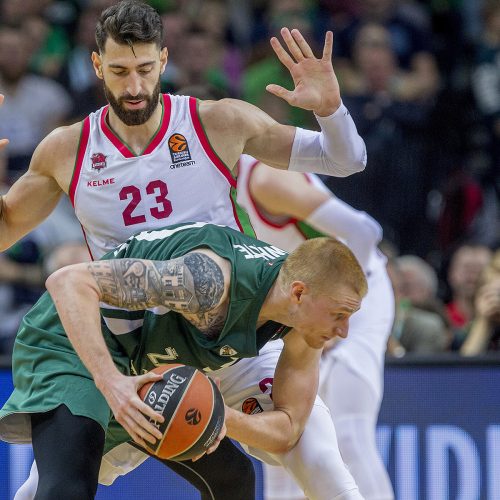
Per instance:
{"type": "Point", "coordinates": [193, 409]}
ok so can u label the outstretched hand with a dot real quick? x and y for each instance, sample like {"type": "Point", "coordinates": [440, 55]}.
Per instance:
{"type": "Point", "coordinates": [316, 86]}
{"type": "Point", "coordinates": [3, 142]}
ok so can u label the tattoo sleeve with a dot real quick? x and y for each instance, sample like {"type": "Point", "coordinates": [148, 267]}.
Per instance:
{"type": "Point", "coordinates": [193, 283]}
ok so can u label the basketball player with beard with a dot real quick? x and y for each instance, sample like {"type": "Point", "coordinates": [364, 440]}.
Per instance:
{"type": "Point", "coordinates": [148, 159]}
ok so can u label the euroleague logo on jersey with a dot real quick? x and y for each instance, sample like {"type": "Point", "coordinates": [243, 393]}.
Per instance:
{"type": "Point", "coordinates": [98, 161]}
{"type": "Point", "coordinates": [179, 151]}
{"type": "Point", "coordinates": [251, 406]}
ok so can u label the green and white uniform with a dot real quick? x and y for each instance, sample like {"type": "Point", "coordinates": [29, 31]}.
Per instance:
{"type": "Point", "coordinates": [156, 336]}
{"type": "Point", "coordinates": [48, 372]}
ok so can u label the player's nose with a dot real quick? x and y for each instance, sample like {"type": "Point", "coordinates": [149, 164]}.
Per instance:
{"type": "Point", "coordinates": [134, 84]}
{"type": "Point", "coordinates": [342, 330]}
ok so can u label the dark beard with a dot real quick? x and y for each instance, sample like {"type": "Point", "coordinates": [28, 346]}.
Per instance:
{"type": "Point", "coordinates": [132, 117]}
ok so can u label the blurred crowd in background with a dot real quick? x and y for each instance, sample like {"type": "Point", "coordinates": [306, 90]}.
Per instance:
{"type": "Point", "coordinates": [420, 78]}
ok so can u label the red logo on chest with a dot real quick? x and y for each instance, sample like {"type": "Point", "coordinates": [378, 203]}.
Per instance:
{"type": "Point", "coordinates": [98, 161]}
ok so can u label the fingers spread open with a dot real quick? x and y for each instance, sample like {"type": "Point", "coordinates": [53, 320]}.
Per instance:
{"type": "Point", "coordinates": [282, 54]}
{"type": "Point", "coordinates": [301, 42]}
{"type": "Point", "coordinates": [328, 48]}
{"type": "Point", "coordinates": [292, 45]}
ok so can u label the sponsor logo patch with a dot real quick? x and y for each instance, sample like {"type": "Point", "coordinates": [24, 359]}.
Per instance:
{"type": "Point", "coordinates": [179, 151]}
{"type": "Point", "coordinates": [227, 350]}
{"type": "Point", "coordinates": [98, 161]}
{"type": "Point", "coordinates": [160, 359]}
{"type": "Point", "coordinates": [251, 406]}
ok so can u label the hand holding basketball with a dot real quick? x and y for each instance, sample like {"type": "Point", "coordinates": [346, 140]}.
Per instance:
{"type": "Point", "coordinates": [130, 411]}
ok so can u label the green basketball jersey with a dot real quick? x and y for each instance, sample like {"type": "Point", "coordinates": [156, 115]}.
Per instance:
{"type": "Point", "coordinates": [154, 337]}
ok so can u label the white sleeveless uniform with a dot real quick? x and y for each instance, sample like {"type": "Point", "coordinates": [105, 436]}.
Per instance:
{"type": "Point", "coordinates": [178, 178]}
{"type": "Point", "coordinates": [354, 367]}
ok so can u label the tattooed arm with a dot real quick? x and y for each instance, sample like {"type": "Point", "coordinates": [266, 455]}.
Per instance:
{"type": "Point", "coordinates": [195, 285]}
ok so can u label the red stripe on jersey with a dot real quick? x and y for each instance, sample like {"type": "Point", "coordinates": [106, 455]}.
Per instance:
{"type": "Point", "coordinates": [117, 143]}
{"type": "Point", "coordinates": [262, 216]}
{"type": "Point", "coordinates": [80, 155]}
{"type": "Point", "coordinates": [200, 132]}
{"type": "Point", "coordinates": [167, 111]}
{"type": "Point", "coordinates": [86, 242]}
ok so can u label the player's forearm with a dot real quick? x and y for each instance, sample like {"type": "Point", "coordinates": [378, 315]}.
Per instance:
{"type": "Point", "coordinates": [77, 302]}
{"type": "Point", "coordinates": [271, 431]}
{"type": "Point", "coordinates": [361, 232]}
{"type": "Point", "coordinates": [337, 150]}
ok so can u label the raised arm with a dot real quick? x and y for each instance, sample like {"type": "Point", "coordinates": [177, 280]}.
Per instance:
{"type": "Point", "coordinates": [35, 194]}
{"type": "Point", "coordinates": [337, 150]}
{"type": "Point", "coordinates": [195, 285]}
{"type": "Point", "coordinates": [292, 194]}
{"type": "Point", "coordinates": [294, 391]}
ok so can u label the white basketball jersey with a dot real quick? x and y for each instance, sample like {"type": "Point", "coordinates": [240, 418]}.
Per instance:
{"type": "Point", "coordinates": [365, 346]}
{"type": "Point", "coordinates": [177, 178]}
{"type": "Point", "coordinates": [285, 232]}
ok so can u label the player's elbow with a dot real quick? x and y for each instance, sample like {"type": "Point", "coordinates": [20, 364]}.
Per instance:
{"type": "Point", "coordinates": [347, 168]}
{"type": "Point", "coordinates": [57, 280]}
{"type": "Point", "coordinates": [66, 281]}
{"type": "Point", "coordinates": [290, 434]}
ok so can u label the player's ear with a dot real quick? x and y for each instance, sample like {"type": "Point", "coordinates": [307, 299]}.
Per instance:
{"type": "Point", "coordinates": [97, 64]}
{"type": "Point", "coordinates": [297, 289]}
{"type": "Point", "coordinates": [163, 59]}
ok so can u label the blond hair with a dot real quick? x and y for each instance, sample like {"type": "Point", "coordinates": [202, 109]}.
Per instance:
{"type": "Point", "coordinates": [323, 264]}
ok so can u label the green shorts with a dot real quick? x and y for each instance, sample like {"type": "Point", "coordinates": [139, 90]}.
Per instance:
{"type": "Point", "coordinates": [47, 373]}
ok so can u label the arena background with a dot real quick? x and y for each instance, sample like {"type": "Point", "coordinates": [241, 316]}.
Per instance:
{"type": "Point", "coordinates": [439, 435]}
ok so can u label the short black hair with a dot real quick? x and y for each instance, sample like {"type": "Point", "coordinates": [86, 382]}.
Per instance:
{"type": "Point", "coordinates": [129, 22]}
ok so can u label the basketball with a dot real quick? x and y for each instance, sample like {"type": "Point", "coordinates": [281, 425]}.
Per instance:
{"type": "Point", "coordinates": [193, 409]}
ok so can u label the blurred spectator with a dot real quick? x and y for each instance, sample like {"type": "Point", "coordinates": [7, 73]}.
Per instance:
{"type": "Point", "coordinates": [415, 330]}
{"type": "Point", "coordinates": [200, 61]}
{"type": "Point", "coordinates": [21, 283]}
{"type": "Point", "coordinates": [78, 75]}
{"type": "Point", "coordinates": [60, 227]}
{"type": "Point", "coordinates": [419, 282]}
{"type": "Point", "coordinates": [484, 331]}
{"type": "Point", "coordinates": [66, 254]}
{"type": "Point", "coordinates": [486, 78]}
{"type": "Point", "coordinates": [394, 185]}
{"type": "Point", "coordinates": [214, 17]}
{"type": "Point", "coordinates": [409, 40]}
{"type": "Point", "coordinates": [466, 265]}
{"type": "Point", "coordinates": [265, 68]}
{"type": "Point", "coordinates": [175, 25]}
{"type": "Point", "coordinates": [43, 22]}
{"type": "Point", "coordinates": [22, 273]}
{"type": "Point", "coordinates": [462, 201]}
{"type": "Point", "coordinates": [34, 105]}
